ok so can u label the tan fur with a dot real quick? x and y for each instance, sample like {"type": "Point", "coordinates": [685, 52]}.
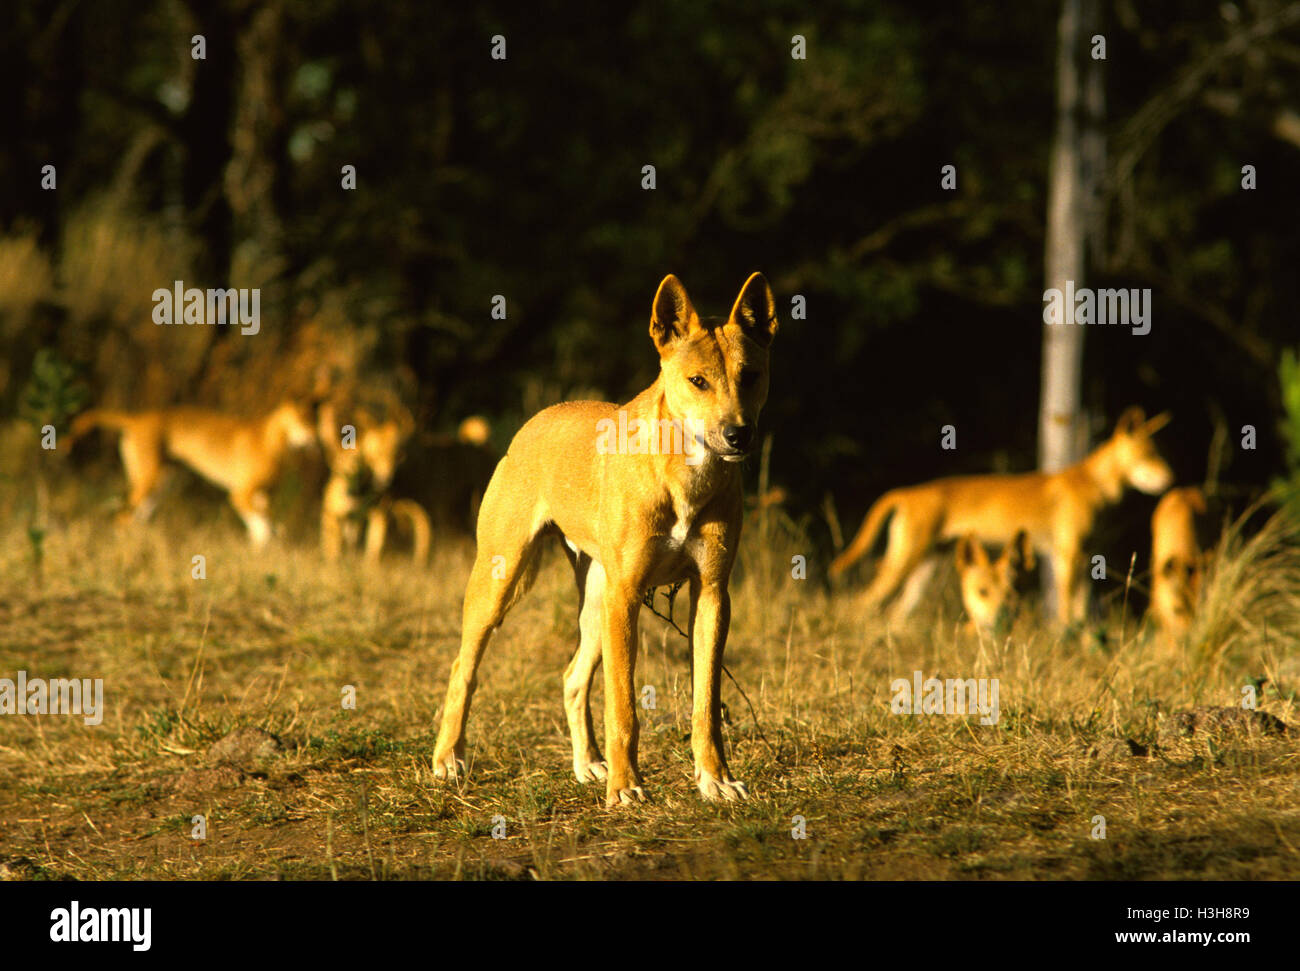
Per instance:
{"type": "Point", "coordinates": [1056, 510]}
{"type": "Point", "coordinates": [474, 430]}
{"type": "Point", "coordinates": [630, 521]}
{"type": "Point", "coordinates": [1177, 562]}
{"type": "Point", "coordinates": [358, 484]}
{"type": "Point", "coordinates": [988, 587]}
{"type": "Point", "coordinates": [240, 455]}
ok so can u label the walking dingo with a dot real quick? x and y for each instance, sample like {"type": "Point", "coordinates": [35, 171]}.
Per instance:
{"type": "Point", "coordinates": [1056, 509]}
{"type": "Point", "coordinates": [240, 455]}
{"type": "Point", "coordinates": [631, 519]}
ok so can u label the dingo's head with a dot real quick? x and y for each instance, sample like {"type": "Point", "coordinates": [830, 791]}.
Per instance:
{"type": "Point", "coordinates": [1139, 463]}
{"type": "Point", "coordinates": [1178, 560]}
{"type": "Point", "coordinates": [294, 419]}
{"type": "Point", "coordinates": [370, 454]}
{"type": "Point", "coordinates": [988, 588]}
{"type": "Point", "coordinates": [715, 374]}
{"type": "Point", "coordinates": [380, 448]}
{"type": "Point", "coordinates": [1178, 591]}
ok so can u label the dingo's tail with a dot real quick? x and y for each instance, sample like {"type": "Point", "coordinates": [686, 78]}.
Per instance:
{"type": "Point", "coordinates": [97, 418]}
{"type": "Point", "coordinates": [420, 528]}
{"type": "Point", "coordinates": [866, 537]}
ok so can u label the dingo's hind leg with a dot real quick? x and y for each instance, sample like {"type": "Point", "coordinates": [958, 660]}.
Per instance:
{"type": "Point", "coordinates": [913, 589]}
{"type": "Point", "coordinates": [142, 460]}
{"type": "Point", "coordinates": [504, 568]}
{"type": "Point", "coordinates": [908, 543]}
{"type": "Point", "coordinates": [588, 765]}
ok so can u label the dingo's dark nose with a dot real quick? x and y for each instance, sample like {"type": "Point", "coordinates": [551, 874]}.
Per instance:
{"type": "Point", "coordinates": [739, 437]}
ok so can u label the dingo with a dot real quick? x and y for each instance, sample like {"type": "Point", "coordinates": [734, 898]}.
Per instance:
{"type": "Point", "coordinates": [358, 485]}
{"type": "Point", "coordinates": [1056, 509]}
{"type": "Point", "coordinates": [1177, 562]}
{"type": "Point", "coordinates": [989, 590]}
{"type": "Point", "coordinates": [241, 455]}
{"type": "Point", "coordinates": [630, 520]}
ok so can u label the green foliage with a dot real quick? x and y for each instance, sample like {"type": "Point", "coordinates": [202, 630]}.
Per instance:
{"type": "Point", "coordinates": [53, 393]}
{"type": "Point", "coordinates": [1288, 487]}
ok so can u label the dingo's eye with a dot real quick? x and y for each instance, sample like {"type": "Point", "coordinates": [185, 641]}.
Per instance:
{"type": "Point", "coordinates": [748, 378]}
{"type": "Point", "coordinates": [699, 382]}
{"type": "Point", "coordinates": [984, 593]}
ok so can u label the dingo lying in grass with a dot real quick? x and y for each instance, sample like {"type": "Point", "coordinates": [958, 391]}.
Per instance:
{"type": "Point", "coordinates": [1056, 509]}
{"type": "Point", "coordinates": [1177, 562]}
{"type": "Point", "coordinates": [241, 455]}
{"type": "Point", "coordinates": [359, 481]}
{"type": "Point", "coordinates": [632, 518]}
{"type": "Point", "coordinates": [989, 589]}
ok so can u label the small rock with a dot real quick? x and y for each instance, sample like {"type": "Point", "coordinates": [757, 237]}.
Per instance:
{"type": "Point", "coordinates": [245, 746]}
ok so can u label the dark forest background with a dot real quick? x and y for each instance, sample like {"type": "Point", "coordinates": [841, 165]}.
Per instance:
{"type": "Point", "coordinates": [522, 177]}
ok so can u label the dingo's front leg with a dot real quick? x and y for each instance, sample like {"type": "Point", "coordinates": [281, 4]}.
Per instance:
{"type": "Point", "coordinates": [711, 616]}
{"type": "Point", "coordinates": [252, 504]}
{"type": "Point", "coordinates": [618, 651]}
{"type": "Point", "coordinates": [1069, 596]}
{"type": "Point", "coordinates": [376, 533]}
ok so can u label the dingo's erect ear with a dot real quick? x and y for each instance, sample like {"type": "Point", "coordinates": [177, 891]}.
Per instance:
{"type": "Point", "coordinates": [970, 552]}
{"type": "Point", "coordinates": [1022, 552]}
{"type": "Point", "coordinates": [1157, 423]}
{"type": "Point", "coordinates": [755, 310]}
{"type": "Point", "coordinates": [1130, 421]}
{"type": "Point", "coordinates": [672, 316]}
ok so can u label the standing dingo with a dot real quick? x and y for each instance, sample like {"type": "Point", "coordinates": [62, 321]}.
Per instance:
{"type": "Point", "coordinates": [990, 588]}
{"type": "Point", "coordinates": [241, 455]}
{"type": "Point", "coordinates": [359, 481]}
{"type": "Point", "coordinates": [1177, 562]}
{"type": "Point", "coordinates": [631, 518]}
{"type": "Point", "coordinates": [1056, 509]}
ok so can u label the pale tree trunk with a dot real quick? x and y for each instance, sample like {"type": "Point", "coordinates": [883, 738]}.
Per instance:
{"type": "Point", "coordinates": [1058, 411]}
{"type": "Point", "coordinates": [1075, 166]}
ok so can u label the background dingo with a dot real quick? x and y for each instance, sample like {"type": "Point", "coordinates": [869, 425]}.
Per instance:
{"type": "Point", "coordinates": [360, 476]}
{"type": "Point", "coordinates": [1056, 509]}
{"type": "Point", "coordinates": [1177, 561]}
{"type": "Point", "coordinates": [989, 588]}
{"type": "Point", "coordinates": [241, 455]}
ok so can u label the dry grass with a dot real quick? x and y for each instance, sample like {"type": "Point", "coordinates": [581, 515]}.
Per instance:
{"type": "Point", "coordinates": [270, 641]}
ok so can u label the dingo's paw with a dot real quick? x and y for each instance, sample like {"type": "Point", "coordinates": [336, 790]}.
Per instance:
{"type": "Point", "coordinates": [594, 770]}
{"type": "Point", "coordinates": [714, 789]}
{"type": "Point", "coordinates": [624, 797]}
{"type": "Point", "coordinates": [450, 767]}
